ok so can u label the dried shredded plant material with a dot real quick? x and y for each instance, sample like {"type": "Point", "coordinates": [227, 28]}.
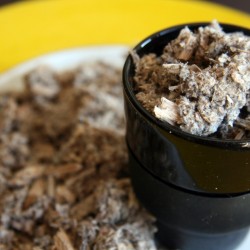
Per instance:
{"type": "Point", "coordinates": [62, 241]}
{"type": "Point", "coordinates": [200, 83]}
{"type": "Point", "coordinates": [64, 182]}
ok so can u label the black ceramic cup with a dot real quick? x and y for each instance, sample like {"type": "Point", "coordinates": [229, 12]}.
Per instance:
{"type": "Point", "coordinates": [198, 188]}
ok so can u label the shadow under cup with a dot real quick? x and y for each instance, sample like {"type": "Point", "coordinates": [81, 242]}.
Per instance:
{"type": "Point", "coordinates": [198, 188]}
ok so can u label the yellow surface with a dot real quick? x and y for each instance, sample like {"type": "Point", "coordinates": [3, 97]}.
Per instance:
{"type": "Point", "coordinates": [32, 28]}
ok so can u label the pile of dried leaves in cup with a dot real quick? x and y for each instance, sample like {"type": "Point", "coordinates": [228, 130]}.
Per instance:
{"type": "Point", "coordinates": [64, 181]}
{"type": "Point", "coordinates": [200, 83]}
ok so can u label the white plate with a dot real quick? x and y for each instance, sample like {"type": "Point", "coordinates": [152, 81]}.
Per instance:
{"type": "Point", "coordinates": [63, 60]}
{"type": "Point", "coordinates": [68, 59]}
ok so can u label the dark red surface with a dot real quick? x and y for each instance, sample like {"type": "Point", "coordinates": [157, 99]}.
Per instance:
{"type": "Point", "coordinates": [243, 5]}
{"type": "Point", "coordinates": [3, 2]}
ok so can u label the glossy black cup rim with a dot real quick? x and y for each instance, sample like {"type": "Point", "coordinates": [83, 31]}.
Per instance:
{"type": "Point", "coordinates": [128, 89]}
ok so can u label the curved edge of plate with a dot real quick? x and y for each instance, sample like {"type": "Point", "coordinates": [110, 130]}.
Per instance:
{"type": "Point", "coordinates": [68, 59]}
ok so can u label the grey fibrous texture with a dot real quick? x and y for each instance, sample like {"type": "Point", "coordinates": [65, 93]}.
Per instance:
{"type": "Point", "coordinates": [205, 78]}
{"type": "Point", "coordinates": [64, 183]}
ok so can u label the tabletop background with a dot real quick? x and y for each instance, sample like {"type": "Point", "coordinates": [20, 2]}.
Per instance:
{"type": "Point", "coordinates": [40, 27]}
{"type": "Point", "coordinates": [243, 5]}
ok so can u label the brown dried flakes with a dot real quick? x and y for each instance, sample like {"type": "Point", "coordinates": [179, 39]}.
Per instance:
{"type": "Point", "coordinates": [63, 165]}
{"type": "Point", "coordinates": [200, 83]}
{"type": "Point", "coordinates": [42, 84]}
{"type": "Point", "coordinates": [62, 241]}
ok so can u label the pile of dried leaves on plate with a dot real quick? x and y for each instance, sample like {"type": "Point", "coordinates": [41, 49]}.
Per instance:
{"type": "Point", "coordinates": [64, 181]}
